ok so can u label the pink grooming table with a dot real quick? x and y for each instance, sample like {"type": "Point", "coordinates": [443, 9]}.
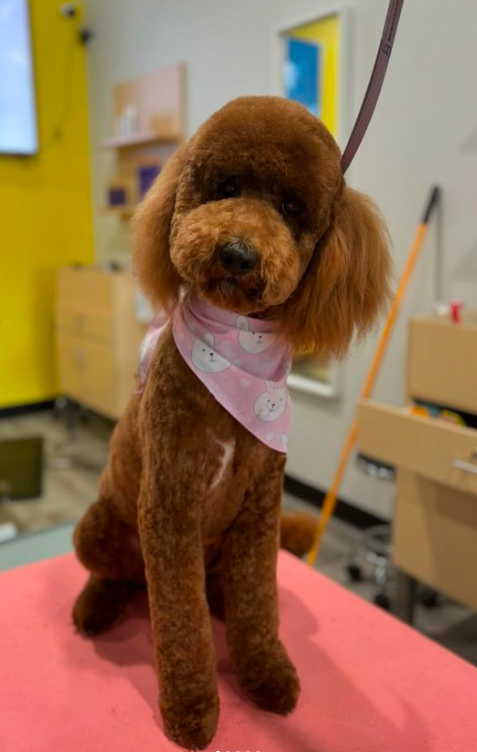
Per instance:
{"type": "Point", "coordinates": [369, 683]}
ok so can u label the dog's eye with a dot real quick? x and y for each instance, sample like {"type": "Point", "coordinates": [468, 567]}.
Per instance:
{"type": "Point", "coordinates": [228, 188]}
{"type": "Point", "coordinates": [290, 208]}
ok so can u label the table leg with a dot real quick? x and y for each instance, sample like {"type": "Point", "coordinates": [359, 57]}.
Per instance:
{"type": "Point", "coordinates": [405, 600]}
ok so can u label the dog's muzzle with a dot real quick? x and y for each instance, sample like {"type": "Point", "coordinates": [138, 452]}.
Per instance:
{"type": "Point", "coordinates": [238, 259]}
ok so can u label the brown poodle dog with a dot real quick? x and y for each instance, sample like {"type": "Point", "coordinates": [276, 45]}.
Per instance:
{"type": "Point", "coordinates": [261, 177]}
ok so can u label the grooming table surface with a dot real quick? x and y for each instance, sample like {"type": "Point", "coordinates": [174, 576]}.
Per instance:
{"type": "Point", "coordinates": [369, 683]}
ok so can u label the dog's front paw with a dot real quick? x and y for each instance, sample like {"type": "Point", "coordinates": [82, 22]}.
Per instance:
{"type": "Point", "coordinates": [271, 681]}
{"type": "Point", "coordinates": [190, 721]}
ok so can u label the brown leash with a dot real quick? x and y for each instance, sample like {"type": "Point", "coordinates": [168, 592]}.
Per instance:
{"type": "Point", "coordinates": [375, 83]}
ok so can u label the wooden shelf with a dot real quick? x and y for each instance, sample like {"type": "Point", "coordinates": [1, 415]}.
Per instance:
{"type": "Point", "coordinates": [137, 139]}
{"type": "Point", "coordinates": [157, 102]}
{"type": "Point", "coordinates": [125, 212]}
{"type": "Point", "coordinates": [311, 386]}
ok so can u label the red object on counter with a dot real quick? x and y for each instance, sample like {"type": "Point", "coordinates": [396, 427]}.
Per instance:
{"type": "Point", "coordinates": [455, 308]}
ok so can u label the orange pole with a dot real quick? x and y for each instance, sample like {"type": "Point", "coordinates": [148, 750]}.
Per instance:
{"type": "Point", "coordinates": [331, 498]}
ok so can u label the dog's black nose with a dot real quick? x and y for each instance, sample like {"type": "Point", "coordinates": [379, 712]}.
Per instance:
{"type": "Point", "coordinates": [238, 259]}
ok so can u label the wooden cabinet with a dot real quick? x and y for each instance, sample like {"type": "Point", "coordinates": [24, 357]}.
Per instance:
{"type": "Point", "coordinates": [433, 449]}
{"type": "Point", "coordinates": [435, 524]}
{"type": "Point", "coordinates": [98, 337]}
{"type": "Point", "coordinates": [442, 362]}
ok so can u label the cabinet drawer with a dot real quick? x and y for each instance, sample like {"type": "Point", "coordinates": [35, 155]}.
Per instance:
{"type": "Point", "coordinates": [87, 372]}
{"type": "Point", "coordinates": [80, 322]}
{"type": "Point", "coordinates": [85, 289]}
{"type": "Point", "coordinates": [433, 449]}
{"type": "Point", "coordinates": [442, 362]}
{"type": "Point", "coordinates": [435, 536]}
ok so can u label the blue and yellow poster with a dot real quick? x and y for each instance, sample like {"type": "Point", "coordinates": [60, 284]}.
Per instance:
{"type": "Point", "coordinates": [311, 74]}
{"type": "Point", "coordinates": [302, 74]}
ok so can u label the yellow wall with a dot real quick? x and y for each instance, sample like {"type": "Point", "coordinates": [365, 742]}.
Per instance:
{"type": "Point", "coordinates": [44, 209]}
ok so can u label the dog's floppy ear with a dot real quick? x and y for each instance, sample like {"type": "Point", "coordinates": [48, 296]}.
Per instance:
{"type": "Point", "coordinates": [346, 284]}
{"type": "Point", "coordinates": [151, 228]}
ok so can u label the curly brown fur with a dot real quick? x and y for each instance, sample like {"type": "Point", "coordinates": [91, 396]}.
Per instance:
{"type": "Point", "coordinates": [263, 173]}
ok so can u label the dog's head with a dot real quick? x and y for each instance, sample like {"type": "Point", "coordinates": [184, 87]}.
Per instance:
{"type": "Point", "coordinates": [253, 211]}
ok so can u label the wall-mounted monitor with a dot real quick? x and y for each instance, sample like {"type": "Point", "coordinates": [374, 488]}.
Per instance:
{"type": "Point", "coordinates": [18, 125]}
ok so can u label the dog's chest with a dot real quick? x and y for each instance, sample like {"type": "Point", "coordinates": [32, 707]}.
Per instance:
{"type": "Point", "coordinates": [235, 462]}
{"type": "Point", "coordinates": [225, 463]}
{"type": "Point", "coordinates": [222, 499]}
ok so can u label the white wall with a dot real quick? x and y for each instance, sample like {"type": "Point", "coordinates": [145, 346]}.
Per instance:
{"type": "Point", "coordinates": [424, 130]}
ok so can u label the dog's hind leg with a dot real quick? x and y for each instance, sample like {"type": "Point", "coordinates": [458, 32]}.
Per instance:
{"type": "Point", "coordinates": [110, 550]}
{"type": "Point", "coordinates": [297, 532]}
{"type": "Point", "coordinates": [100, 604]}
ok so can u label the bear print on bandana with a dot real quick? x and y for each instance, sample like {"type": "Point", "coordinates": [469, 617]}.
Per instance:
{"type": "Point", "coordinates": [253, 341]}
{"type": "Point", "coordinates": [270, 405]}
{"type": "Point", "coordinates": [205, 358]}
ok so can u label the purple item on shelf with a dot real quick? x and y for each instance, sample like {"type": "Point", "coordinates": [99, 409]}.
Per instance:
{"type": "Point", "coordinates": [117, 196]}
{"type": "Point", "coordinates": [147, 175]}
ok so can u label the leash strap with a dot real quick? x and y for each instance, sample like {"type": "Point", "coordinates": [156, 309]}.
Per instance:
{"type": "Point", "coordinates": [375, 83]}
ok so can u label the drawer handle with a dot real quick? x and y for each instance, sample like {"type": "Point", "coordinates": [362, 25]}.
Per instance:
{"type": "Point", "coordinates": [79, 359]}
{"type": "Point", "coordinates": [467, 467]}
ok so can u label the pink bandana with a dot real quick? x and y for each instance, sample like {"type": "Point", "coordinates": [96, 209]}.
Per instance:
{"type": "Point", "coordinates": [241, 360]}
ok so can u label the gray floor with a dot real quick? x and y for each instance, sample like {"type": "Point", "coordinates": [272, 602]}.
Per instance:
{"type": "Point", "coordinates": [73, 465]}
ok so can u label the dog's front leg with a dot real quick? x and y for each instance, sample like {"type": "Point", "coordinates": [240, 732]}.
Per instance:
{"type": "Point", "coordinates": [185, 660]}
{"type": "Point", "coordinates": [250, 593]}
